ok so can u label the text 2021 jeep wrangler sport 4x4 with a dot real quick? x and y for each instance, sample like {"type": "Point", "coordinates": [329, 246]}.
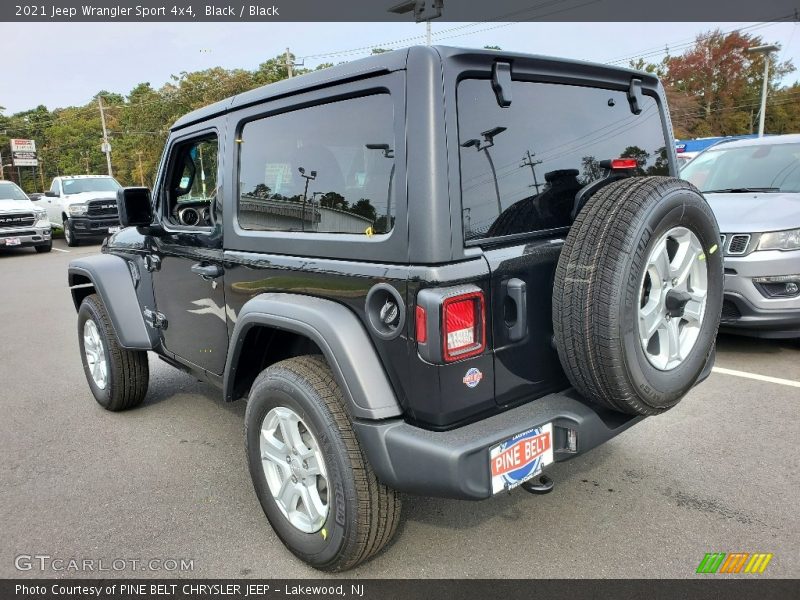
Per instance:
{"type": "Point", "coordinates": [432, 271]}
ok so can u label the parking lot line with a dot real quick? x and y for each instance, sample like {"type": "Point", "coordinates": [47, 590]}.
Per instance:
{"type": "Point", "coordinates": [60, 250]}
{"type": "Point", "coordinates": [746, 375]}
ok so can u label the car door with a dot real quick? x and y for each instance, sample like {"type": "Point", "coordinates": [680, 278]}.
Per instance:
{"type": "Point", "coordinates": [53, 204]}
{"type": "Point", "coordinates": [187, 256]}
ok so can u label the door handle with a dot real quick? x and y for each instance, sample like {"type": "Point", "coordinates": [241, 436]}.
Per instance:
{"type": "Point", "coordinates": [207, 272]}
{"type": "Point", "coordinates": [518, 328]}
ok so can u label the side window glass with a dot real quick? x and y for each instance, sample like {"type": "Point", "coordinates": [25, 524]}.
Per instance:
{"type": "Point", "coordinates": [192, 183]}
{"type": "Point", "coordinates": [328, 168]}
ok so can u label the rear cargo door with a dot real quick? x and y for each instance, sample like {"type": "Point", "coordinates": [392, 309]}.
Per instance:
{"type": "Point", "coordinates": [521, 167]}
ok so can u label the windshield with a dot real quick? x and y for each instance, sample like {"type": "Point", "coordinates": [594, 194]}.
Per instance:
{"type": "Point", "coordinates": [10, 191]}
{"type": "Point", "coordinates": [757, 168]}
{"type": "Point", "coordinates": [90, 184]}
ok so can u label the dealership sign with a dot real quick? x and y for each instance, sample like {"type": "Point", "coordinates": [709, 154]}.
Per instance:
{"type": "Point", "coordinates": [23, 153]}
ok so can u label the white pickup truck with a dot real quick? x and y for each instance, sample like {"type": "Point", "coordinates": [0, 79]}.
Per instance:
{"type": "Point", "coordinates": [22, 223]}
{"type": "Point", "coordinates": [84, 205]}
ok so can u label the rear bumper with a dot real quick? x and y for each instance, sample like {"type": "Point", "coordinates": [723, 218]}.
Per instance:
{"type": "Point", "coordinates": [455, 463]}
{"type": "Point", "coordinates": [29, 236]}
{"type": "Point", "coordinates": [741, 316]}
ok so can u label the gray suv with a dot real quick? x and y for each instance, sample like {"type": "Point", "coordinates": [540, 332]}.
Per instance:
{"type": "Point", "coordinates": [753, 187]}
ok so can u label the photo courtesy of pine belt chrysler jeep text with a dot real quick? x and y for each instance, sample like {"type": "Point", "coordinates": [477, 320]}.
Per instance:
{"type": "Point", "coordinates": [407, 300]}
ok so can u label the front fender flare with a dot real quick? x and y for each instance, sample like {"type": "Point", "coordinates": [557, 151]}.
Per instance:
{"type": "Point", "coordinates": [112, 281]}
{"type": "Point", "coordinates": [338, 333]}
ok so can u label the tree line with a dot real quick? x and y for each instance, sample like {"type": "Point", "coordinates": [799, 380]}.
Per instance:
{"type": "Point", "coordinates": [713, 88]}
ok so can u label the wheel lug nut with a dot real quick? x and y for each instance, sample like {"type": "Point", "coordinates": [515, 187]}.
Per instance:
{"type": "Point", "coordinates": [294, 479]}
{"type": "Point", "coordinates": [288, 459]}
{"type": "Point", "coordinates": [675, 281]}
{"type": "Point", "coordinates": [294, 450]}
{"type": "Point", "coordinates": [305, 464]}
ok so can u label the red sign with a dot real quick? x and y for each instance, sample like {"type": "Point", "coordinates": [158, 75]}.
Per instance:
{"type": "Point", "coordinates": [520, 454]}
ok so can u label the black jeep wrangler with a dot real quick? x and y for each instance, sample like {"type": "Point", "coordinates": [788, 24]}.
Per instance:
{"type": "Point", "coordinates": [432, 271]}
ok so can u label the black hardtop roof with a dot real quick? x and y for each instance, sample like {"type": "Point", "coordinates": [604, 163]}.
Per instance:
{"type": "Point", "coordinates": [385, 63]}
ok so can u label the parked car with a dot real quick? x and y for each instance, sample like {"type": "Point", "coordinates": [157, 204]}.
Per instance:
{"type": "Point", "coordinates": [405, 308]}
{"type": "Point", "coordinates": [753, 186]}
{"type": "Point", "coordinates": [85, 206]}
{"type": "Point", "coordinates": [22, 223]}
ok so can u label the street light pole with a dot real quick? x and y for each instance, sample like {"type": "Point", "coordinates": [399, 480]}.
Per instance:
{"type": "Point", "coordinates": [308, 178]}
{"type": "Point", "coordinates": [765, 51]}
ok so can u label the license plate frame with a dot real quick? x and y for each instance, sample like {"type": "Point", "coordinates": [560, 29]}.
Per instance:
{"type": "Point", "coordinates": [13, 241]}
{"type": "Point", "coordinates": [521, 457]}
{"type": "Point", "coordinates": [113, 229]}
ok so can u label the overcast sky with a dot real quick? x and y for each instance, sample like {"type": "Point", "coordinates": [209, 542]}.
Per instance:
{"type": "Point", "coordinates": [62, 64]}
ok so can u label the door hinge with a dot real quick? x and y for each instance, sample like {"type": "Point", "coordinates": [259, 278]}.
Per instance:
{"type": "Point", "coordinates": [152, 263]}
{"type": "Point", "coordinates": [155, 319]}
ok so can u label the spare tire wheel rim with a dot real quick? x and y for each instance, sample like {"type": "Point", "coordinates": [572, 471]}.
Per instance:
{"type": "Point", "coordinates": [672, 298]}
{"type": "Point", "coordinates": [95, 354]}
{"type": "Point", "coordinates": [294, 469]}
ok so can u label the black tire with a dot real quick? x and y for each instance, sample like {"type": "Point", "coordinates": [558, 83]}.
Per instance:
{"type": "Point", "coordinates": [128, 370]}
{"type": "Point", "coordinates": [362, 513]}
{"type": "Point", "coordinates": [596, 293]}
{"type": "Point", "coordinates": [44, 247]}
{"type": "Point", "coordinates": [69, 234]}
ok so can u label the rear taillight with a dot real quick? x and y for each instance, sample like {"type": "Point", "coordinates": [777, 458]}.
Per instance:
{"type": "Point", "coordinates": [463, 330]}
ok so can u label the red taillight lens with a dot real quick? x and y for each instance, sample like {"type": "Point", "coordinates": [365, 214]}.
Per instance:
{"type": "Point", "coordinates": [624, 163]}
{"type": "Point", "coordinates": [463, 326]}
{"type": "Point", "coordinates": [422, 325]}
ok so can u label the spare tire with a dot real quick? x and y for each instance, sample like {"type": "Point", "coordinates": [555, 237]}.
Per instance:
{"type": "Point", "coordinates": [638, 294]}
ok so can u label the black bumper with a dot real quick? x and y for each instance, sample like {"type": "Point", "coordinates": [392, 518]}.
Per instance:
{"type": "Point", "coordinates": [455, 463]}
{"type": "Point", "coordinates": [92, 227]}
{"type": "Point", "coordinates": [741, 317]}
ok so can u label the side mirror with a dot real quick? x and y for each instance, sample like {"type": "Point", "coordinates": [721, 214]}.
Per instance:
{"type": "Point", "coordinates": [51, 194]}
{"type": "Point", "coordinates": [135, 209]}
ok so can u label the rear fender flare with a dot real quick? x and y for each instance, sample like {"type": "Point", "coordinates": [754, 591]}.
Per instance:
{"type": "Point", "coordinates": [337, 332]}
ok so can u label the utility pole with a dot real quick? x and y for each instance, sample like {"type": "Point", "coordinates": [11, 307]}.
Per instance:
{"type": "Point", "coordinates": [41, 172]}
{"type": "Point", "coordinates": [141, 170]}
{"type": "Point", "coordinates": [289, 63]}
{"type": "Point", "coordinates": [765, 51]}
{"type": "Point", "coordinates": [106, 146]}
{"type": "Point", "coordinates": [2, 170]}
{"type": "Point", "coordinates": [527, 161]}
{"type": "Point", "coordinates": [85, 155]}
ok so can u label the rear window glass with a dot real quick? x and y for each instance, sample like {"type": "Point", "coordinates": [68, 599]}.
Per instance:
{"type": "Point", "coordinates": [521, 166]}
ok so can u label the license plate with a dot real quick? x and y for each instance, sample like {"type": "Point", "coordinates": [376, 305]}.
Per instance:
{"type": "Point", "coordinates": [13, 242]}
{"type": "Point", "coordinates": [113, 229]}
{"type": "Point", "coordinates": [520, 458]}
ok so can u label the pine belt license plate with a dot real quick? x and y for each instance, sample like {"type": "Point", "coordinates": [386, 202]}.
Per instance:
{"type": "Point", "coordinates": [13, 241]}
{"type": "Point", "coordinates": [521, 457]}
{"type": "Point", "coordinates": [114, 229]}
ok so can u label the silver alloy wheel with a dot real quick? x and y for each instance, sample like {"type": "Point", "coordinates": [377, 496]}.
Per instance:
{"type": "Point", "coordinates": [95, 354]}
{"type": "Point", "coordinates": [67, 233]}
{"type": "Point", "coordinates": [672, 298]}
{"type": "Point", "coordinates": [295, 469]}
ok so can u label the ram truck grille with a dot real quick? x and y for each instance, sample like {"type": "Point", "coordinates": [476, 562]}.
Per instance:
{"type": "Point", "coordinates": [102, 208]}
{"type": "Point", "coordinates": [17, 220]}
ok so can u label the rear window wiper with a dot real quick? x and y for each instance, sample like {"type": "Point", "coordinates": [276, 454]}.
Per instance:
{"type": "Point", "coordinates": [742, 190]}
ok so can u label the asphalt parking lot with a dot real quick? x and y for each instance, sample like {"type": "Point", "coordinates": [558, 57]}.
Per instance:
{"type": "Point", "coordinates": [720, 473]}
